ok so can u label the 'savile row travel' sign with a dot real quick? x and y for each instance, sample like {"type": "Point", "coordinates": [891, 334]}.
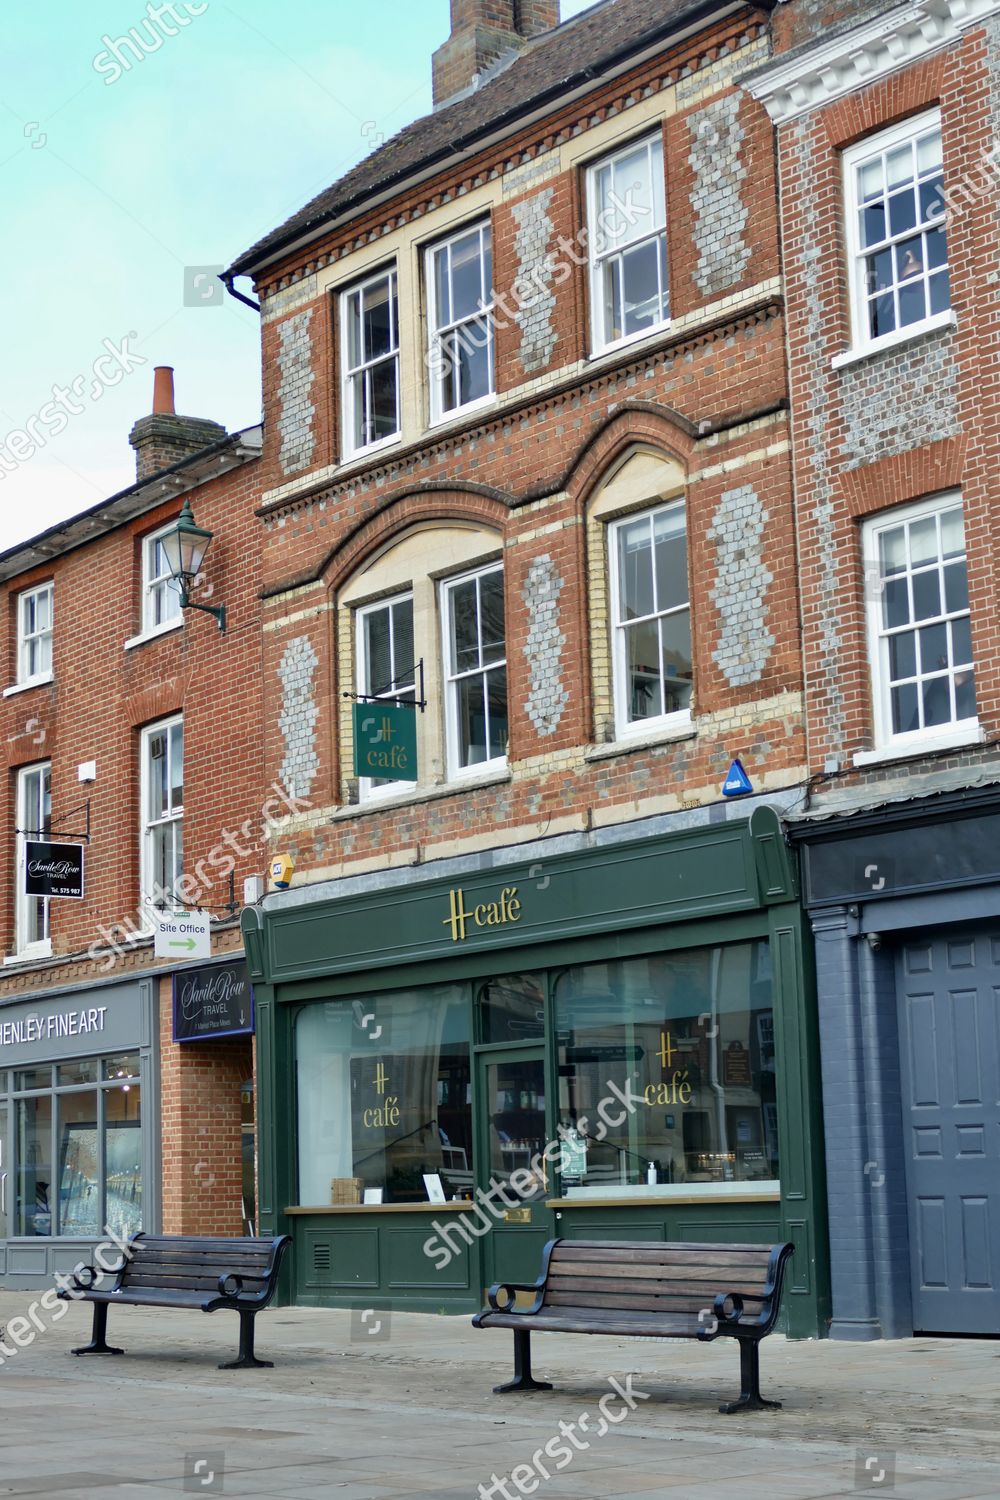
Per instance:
{"type": "Point", "coordinates": [53, 870]}
{"type": "Point", "coordinates": [213, 1002]}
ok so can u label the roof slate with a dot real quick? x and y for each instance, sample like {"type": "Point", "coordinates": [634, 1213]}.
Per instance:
{"type": "Point", "coordinates": [543, 70]}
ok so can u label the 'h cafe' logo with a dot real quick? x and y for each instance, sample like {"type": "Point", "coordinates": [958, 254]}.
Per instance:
{"type": "Point", "coordinates": [486, 914]}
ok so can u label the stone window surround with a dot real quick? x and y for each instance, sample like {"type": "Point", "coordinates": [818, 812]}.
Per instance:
{"type": "Point", "coordinates": [885, 138]}
{"type": "Point", "coordinates": [414, 561]}
{"type": "Point", "coordinates": [604, 508]}
{"type": "Point", "coordinates": [888, 745]}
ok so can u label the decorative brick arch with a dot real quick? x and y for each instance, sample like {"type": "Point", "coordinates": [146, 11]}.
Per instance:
{"type": "Point", "coordinates": [634, 424]}
{"type": "Point", "coordinates": [475, 504]}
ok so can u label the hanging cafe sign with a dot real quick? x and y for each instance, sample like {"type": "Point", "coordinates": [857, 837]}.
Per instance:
{"type": "Point", "coordinates": [385, 729]}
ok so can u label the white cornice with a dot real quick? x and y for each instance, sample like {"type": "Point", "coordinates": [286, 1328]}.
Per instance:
{"type": "Point", "coordinates": [855, 58]}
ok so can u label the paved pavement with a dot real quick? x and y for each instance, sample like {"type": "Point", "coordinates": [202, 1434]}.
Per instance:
{"type": "Point", "coordinates": [399, 1407]}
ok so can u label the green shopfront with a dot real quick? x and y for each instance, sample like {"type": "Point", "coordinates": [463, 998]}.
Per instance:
{"type": "Point", "coordinates": [604, 1036]}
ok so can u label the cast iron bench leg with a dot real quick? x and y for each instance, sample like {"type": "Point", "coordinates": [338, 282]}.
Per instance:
{"type": "Point", "coordinates": [523, 1378]}
{"type": "Point", "coordinates": [246, 1360]}
{"type": "Point", "coordinates": [750, 1396]}
{"type": "Point", "coordinates": [98, 1339]}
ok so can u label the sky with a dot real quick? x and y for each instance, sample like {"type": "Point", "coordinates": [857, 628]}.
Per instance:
{"type": "Point", "coordinates": [120, 186]}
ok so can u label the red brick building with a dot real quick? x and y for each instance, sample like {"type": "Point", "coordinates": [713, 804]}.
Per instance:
{"type": "Point", "coordinates": [527, 460]}
{"type": "Point", "coordinates": [886, 122]}
{"type": "Point", "coordinates": [128, 730]}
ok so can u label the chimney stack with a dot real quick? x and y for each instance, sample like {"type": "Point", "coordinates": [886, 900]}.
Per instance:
{"type": "Point", "coordinates": [164, 438]}
{"type": "Point", "coordinates": [482, 31]}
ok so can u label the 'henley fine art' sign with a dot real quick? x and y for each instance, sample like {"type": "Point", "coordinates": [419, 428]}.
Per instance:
{"type": "Point", "coordinates": [53, 870]}
{"type": "Point", "coordinates": [212, 1002]}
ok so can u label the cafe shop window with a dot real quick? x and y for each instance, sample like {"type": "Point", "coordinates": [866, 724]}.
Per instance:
{"type": "Point", "coordinates": [385, 1098]}
{"type": "Point", "coordinates": [78, 1148]}
{"type": "Point", "coordinates": [686, 1040]}
{"type": "Point", "coordinates": [34, 821]}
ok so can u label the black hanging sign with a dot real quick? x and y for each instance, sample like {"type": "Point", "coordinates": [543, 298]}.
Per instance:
{"type": "Point", "coordinates": [53, 870]}
{"type": "Point", "coordinates": [213, 1002]}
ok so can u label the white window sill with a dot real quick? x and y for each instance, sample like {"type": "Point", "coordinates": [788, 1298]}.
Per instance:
{"type": "Point", "coordinates": [459, 413]}
{"type": "Point", "coordinates": [33, 682]}
{"type": "Point", "coordinates": [357, 455]}
{"type": "Point", "coordinates": [966, 734]}
{"type": "Point", "coordinates": [30, 954]}
{"type": "Point", "coordinates": [666, 734]}
{"type": "Point", "coordinates": [498, 772]}
{"type": "Point", "coordinates": [600, 350]}
{"type": "Point", "coordinates": [894, 339]}
{"type": "Point", "coordinates": [154, 634]}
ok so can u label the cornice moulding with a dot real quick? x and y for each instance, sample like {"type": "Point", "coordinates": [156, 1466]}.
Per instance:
{"type": "Point", "coordinates": [863, 55]}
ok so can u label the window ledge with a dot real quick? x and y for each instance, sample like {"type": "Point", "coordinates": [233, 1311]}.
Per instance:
{"type": "Point", "coordinates": [961, 736]}
{"type": "Point", "coordinates": [893, 340]}
{"type": "Point", "coordinates": [668, 735]}
{"type": "Point", "coordinates": [630, 340]}
{"type": "Point", "coordinates": [153, 635]}
{"type": "Point", "coordinates": [685, 1193]}
{"type": "Point", "coordinates": [362, 455]}
{"type": "Point", "coordinates": [33, 682]}
{"type": "Point", "coordinates": [458, 414]}
{"type": "Point", "coordinates": [452, 788]}
{"type": "Point", "coordinates": [29, 955]}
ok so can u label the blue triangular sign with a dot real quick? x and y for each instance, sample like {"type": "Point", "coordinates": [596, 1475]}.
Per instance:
{"type": "Point", "coordinates": [737, 782]}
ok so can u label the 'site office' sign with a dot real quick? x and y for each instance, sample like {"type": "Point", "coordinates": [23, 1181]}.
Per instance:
{"type": "Point", "coordinates": [53, 870]}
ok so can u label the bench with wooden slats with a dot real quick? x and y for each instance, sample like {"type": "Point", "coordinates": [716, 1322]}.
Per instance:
{"type": "Point", "coordinates": [647, 1290]}
{"type": "Point", "coordinates": [179, 1271]}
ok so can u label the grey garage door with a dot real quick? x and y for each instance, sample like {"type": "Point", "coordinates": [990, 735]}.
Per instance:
{"type": "Point", "coordinates": [948, 988]}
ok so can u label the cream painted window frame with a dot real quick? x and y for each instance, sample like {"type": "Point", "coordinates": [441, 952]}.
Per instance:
{"type": "Point", "coordinates": [957, 731]}
{"type": "Point", "coordinates": [349, 374]}
{"type": "Point", "coordinates": [367, 790]}
{"type": "Point", "coordinates": [24, 947]}
{"type": "Point", "coordinates": [599, 340]}
{"type": "Point", "coordinates": [451, 677]}
{"type": "Point", "coordinates": [880, 143]}
{"type": "Point", "coordinates": [626, 728]}
{"type": "Point", "coordinates": [26, 638]}
{"type": "Point", "coordinates": [435, 331]}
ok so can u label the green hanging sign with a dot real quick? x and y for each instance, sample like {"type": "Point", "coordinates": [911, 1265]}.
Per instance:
{"type": "Point", "coordinates": [385, 741]}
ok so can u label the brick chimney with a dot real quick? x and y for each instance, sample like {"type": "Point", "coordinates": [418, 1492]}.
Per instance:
{"type": "Point", "coordinates": [163, 438]}
{"type": "Point", "coordinates": [481, 32]}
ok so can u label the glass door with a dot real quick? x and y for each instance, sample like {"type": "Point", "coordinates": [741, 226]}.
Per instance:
{"type": "Point", "coordinates": [514, 1177]}
{"type": "Point", "coordinates": [5, 1185]}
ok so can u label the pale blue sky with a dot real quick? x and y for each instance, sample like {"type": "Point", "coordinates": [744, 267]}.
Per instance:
{"type": "Point", "coordinates": [108, 191]}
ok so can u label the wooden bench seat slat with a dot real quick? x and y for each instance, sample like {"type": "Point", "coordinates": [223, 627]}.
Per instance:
{"type": "Point", "coordinates": [665, 1287]}
{"type": "Point", "coordinates": [653, 1255]}
{"type": "Point", "coordinates": [645, 1247]}
{"type": "Point", "coordinates": [678, 1302]}
{"type": "Point", "coordinates": [581, 1320]}
{"type": "Point", "coordinates": [589, 1269]}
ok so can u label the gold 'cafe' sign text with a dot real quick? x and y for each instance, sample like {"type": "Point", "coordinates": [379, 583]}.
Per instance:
{"type": "Point", "coordinates": [486, 914]}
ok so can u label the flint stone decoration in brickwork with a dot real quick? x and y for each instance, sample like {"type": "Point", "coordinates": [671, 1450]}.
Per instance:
{"type": "Point", "coordinates": [544, 645]}
{"type": "Point", "coordinates": [297, 376]}
{"type": "Point", "coordinates": [719, 210]}
{"type": "Point", "coordinates": [742, 582]}
{"type": "Point", "coordinates": [299, 712]}
{"type": "Point", "coordinates": [533, 283]}
{"type": "Point", "coordinates": [900, 399]}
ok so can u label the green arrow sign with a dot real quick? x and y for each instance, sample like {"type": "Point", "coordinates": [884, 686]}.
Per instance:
{"type": "Point", "coordinates": [385, 741]}
{"type": "Point", "coordinates": [188, 943]}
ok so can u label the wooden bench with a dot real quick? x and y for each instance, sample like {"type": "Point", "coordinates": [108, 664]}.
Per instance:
{"type": "Point", "coordinates": [647, 1290]}
{"type": "Point", "coordinates": [178, 1271]}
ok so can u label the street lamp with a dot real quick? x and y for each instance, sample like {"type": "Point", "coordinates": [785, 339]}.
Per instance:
{"type": "Point", "coordinates": [184, 547]}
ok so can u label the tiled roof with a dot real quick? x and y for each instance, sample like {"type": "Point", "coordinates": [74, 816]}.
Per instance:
{"type": "Point", "coordinates": [546, 67]}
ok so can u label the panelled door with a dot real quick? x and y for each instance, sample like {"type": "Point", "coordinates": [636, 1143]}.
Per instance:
{"type": "Point", "coordinates": [948, 989]}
